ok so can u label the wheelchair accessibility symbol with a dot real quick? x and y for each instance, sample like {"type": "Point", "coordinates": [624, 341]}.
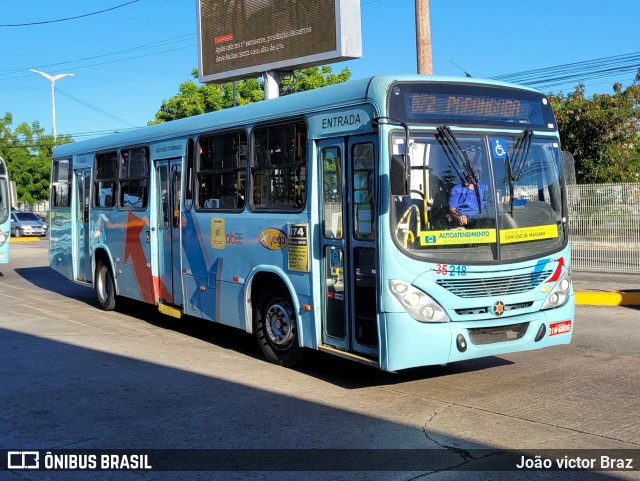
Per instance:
{"type": "Point", "coordinates": [499, 148]}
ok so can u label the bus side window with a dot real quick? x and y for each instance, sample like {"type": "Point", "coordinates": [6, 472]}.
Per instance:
{"type": "Point", "coordinates": [61, 183]}
{"type": "Point", "coordinates": [188, 192]}
{"type": "Point", "coordinates": [279, 167]}
{"type": "Point", "coordinates": [363, 191]}
{"type": "Point", "coordinates": [133, 178]}
{"type": "Point", "coordinates": [105, 180]}
{"type": "Point", "coordinates": [222, 172]}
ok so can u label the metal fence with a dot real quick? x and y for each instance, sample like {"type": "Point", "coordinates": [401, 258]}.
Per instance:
{"type": "Point", "coordinates": [604, 221]}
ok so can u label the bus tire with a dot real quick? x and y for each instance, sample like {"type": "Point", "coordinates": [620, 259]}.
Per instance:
{"type": "Point", "coordinates": [276, 328]}
{"type": "Point", "coordinates": [105, 287]}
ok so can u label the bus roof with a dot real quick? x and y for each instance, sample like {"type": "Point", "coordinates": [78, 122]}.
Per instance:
{"type": "Point", "coordinates": [369, 89]}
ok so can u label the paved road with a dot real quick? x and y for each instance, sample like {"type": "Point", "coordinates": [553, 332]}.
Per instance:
{"type": "Point", "coordinates": [75, 377]}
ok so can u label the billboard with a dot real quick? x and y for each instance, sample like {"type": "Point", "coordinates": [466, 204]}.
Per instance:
{"type": "Point", "coordinates": [243, 38]}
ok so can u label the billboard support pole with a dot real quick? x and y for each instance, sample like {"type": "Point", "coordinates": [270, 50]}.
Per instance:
{"type": "Point", "coordinates": [271, 84]}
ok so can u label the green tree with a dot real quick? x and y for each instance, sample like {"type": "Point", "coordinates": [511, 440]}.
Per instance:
{"type": "Point", "coordinates": [27, 151]}
{"type": "Point", "coordinates": [193, 99]}
{"type": "Point", "coordinates": [312, 78]}
{"type": "Point", "coordinates": [602, 132]}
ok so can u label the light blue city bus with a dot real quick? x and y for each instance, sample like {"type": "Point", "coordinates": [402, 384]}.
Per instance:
{"type": "Point", "coordinates": [323, 220]}
{"type": "Point", "coordinates": [5, 212]}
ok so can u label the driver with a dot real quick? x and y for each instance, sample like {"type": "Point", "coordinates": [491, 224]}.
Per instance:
{"type": "Point", "coordinates": [463, 202]}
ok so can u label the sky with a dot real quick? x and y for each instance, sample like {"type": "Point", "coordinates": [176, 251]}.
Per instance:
{"type": "Point", "coordinates": [128, 59]}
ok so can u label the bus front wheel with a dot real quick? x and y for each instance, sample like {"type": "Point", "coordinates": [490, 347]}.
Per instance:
{"type": "Point", "coordinates": [276, 329]}
{"type": "Point", "coordinates": [105, 287]}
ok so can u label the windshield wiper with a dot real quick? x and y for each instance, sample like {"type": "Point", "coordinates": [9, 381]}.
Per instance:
{"type": "Point", "coordinates": [509, 176]}
{"type": "Point", "coordinates": [463, 164]}
{"type": "Point", "coordinates": [451, 156]}
{"type": "Point", "coordinates": [520, 155]}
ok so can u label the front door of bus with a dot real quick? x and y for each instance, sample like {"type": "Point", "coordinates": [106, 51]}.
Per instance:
{"type": "Point", "coordinates": [169, 180]}
{"type": "Point", "coordinates": [348, 235]}
{"type": "Point", "coordinates": [81, 240]}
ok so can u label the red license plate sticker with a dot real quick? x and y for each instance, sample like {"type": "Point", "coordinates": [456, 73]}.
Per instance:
{"type": "Point", "coordinates": [559, 328]}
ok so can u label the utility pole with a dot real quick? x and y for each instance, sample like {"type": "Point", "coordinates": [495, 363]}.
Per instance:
{"type": "Point", "coordinates": [423, 37]}
{"type": "Point", "coordinates": [52, 79]}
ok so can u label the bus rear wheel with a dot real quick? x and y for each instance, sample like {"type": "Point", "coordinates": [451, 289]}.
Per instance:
{"type": "Point", "coordinates": [276, 329]}
{"type": "Point", "coordinates": [105, 287]}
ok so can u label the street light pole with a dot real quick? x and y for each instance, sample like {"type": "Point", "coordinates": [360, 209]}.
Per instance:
{"type": "Point", "coordinates": [53, 79]}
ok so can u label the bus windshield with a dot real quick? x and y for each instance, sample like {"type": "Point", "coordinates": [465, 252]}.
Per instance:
{"type": "Point", "coordinates": [481, 198]}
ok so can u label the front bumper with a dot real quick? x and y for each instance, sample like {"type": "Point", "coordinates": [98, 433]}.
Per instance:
{"type": "Point", "coordinates": [410, 343]}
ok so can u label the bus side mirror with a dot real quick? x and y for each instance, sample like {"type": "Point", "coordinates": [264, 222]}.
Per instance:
{"type": "Point", "coordinates": [399, 175]}
{"type": "Point", "coordinates": [568, 168]}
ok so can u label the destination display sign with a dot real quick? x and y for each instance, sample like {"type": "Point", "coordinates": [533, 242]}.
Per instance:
{"type": "Point", "coordinates": [469, 104]}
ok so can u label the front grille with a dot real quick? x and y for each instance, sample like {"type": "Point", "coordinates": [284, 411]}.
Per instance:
{"type": "Point", "coordinates": [494, 286]}
{"type": "Point", "coordinates": [485, 310]}
{"type": "Point", "coordinates": [491, 335]}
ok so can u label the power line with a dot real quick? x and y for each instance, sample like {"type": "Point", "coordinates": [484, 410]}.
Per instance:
{"type": "Point", "coordinates": [96, 109]}
{"type": "Point", "coordinates": [576, 72]}
{"type": "Point", "coordinates": [160, 43]}
{"type": "Point", "coordinates": [109, 62]}
{"type": "Point", "coordinates": [68, 18]}
{"type": "Point", "coordinates": [41, 143]}
{"type": "Point", "coordinates": [97, 133]}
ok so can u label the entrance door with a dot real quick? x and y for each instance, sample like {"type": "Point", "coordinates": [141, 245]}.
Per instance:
{"type": "Point", "coordinates": [349, 244]}
{"type": "Point", "coordinates": [81, 243]}
{"type": "Point", "coordinates": [169, 183]}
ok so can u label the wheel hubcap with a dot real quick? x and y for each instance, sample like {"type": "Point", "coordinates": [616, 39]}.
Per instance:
{"type": "Point", "coordinates": [279, 324]}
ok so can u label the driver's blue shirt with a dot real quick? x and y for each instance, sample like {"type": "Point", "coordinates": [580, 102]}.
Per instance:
{"type": "Point", "coordinates": [464, 199]}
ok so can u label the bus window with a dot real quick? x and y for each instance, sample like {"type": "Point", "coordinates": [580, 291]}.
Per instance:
{"type": "Point", "coordinates": [222, 171]}
{"type": "Point", "coordinates": [279, 167]}
{"type": "Point", "coordinates": [60, 185]}
{"type": "Point", "coordinates": [163, 198]}
{"type": "Point", "coordinates": [363, 191]}
{"type": "Point", "coordinates": [4, 199]}
{"type": "Point", "coordinates": [188, 188]}
{"type": "Point", "coordinates": [105, 180]}
{"type": "Point", "coordinates": [176, 181]}
{"type": "Point", "coordinates": [332, 192]}
{"type": "Point", "coordinates": [133, 179]}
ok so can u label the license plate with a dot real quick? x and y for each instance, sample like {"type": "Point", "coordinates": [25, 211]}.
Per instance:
{"type": "Point", "coordinates": [562, 327]}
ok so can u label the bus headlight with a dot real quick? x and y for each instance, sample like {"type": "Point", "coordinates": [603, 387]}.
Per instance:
{"type": "Point", "coordinates": [418, 304]}
{"type": "Point", "coordinates": [559, 294]}
{"type": "Point", "coordinates": [3, 237]}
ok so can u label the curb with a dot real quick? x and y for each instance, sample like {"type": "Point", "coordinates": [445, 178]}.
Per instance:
{"type": "Point", "coordinates": [25, 239]}
{"type": "Point", "coordinates": [593, 298]}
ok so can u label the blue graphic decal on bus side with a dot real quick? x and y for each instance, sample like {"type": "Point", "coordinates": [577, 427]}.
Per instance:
{"type": "Point", "coordinates": [193, 246]}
